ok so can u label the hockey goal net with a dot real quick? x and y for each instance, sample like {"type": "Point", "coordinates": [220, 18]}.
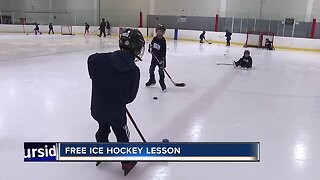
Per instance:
{"type": "Point", "coordinates": [66, 30]}
{"type": "Point", "coordinates": [258, 39]}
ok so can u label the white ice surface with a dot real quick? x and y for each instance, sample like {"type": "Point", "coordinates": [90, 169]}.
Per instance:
{"type": "Point", "coordinates": [45, 96]}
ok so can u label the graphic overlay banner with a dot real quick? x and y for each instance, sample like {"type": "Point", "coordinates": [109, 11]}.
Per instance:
{"type": "Point", "coordinates": [170, 152]}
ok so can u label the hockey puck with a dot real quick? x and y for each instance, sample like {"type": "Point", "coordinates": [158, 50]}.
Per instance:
{"type": "Point", "coordinates": [165, 140]}
{"type": "Point", "coordinates": [155, 98]}
{"type": "Point", "coordinates": [225, 54]}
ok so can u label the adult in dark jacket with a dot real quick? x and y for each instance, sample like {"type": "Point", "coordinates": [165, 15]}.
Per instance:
{"type": "Point", "coordinates": [115, 82]}
{"type": "Point", "coordinates": [103, 28]}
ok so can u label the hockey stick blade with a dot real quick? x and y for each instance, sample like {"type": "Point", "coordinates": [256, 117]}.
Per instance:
{"type": "Point", "coordinates": [129, 168]}
{"type": "Point", "coordinates": [225, 64]}
{"type": "Point", "coordinates": [174, 83]}
{"type": "Point", "coordinates": [98, 163]}
{"type": "Point", "coordinates": [180, 84]}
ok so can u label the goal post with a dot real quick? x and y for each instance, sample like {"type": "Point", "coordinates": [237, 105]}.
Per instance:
{"type": "Point", "coordinates": [66, 30]}
{"type": "Point", "coordinates": [258, 38]}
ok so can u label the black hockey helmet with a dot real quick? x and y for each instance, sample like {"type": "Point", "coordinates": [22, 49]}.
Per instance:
{"type": "Point", "coordinates": [132, 40]}
{"type": "Point", "coordinates": [161, 27]}
{"type": "Point", "coordinates": [246, 52]}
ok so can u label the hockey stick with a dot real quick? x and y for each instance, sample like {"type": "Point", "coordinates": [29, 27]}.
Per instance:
{"type": "Point", "coordinates": [128, 169]}
{"type": "Point", "coordinates": [176, 84]}
{"type": "Point", "coordinates": [208, 42]}
{"type": "Point", "coordinates": [95, 30]}
{"type": "Point", "coordinates": [224, 64]}
{"type": "Point", "coordinates": [137, 128]}
{"type": "Point", "coordinates": [135, 125]}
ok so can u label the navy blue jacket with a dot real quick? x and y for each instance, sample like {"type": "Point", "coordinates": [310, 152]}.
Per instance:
{"type": "Point", "coordinates": [87, 26]}
{"type": "Point", "coordinates": [103, 25]}
{"type": "Point", "coordinates": [159, 48]}
{"type": "Point", "coordinates": [246, 61]}
{"type": "Point", "coordinates": [37, 27]}
{"type": "Point", "coordinates": [202, 36]}
{"type": "Point", "coordinates": [115, 82]}
{"type": "Point", "coordinates": [228, 35]}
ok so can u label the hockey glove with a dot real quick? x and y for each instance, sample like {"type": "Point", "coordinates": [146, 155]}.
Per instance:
{"type": "Point", "coordinates": [162, 64]}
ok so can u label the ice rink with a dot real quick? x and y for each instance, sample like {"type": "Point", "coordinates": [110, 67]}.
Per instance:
{"type": "Point", "coordinates": [45, 96]}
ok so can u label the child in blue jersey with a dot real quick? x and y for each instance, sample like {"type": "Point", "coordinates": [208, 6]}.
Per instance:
{"type": "Point", "coordinates": [158, 49]}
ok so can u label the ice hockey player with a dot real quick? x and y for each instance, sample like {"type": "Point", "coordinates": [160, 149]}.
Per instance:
{"type": "Point", "coordinates": [37, 29]}
{"type": "Point", "coordinates": [158, 49]}
{"type": "Point", "coordinates": [245, 62]}
{"type": "Point", "coordinates": [202, 36]}
{"type": "Point", "coordinates": [86, 28]}
{"type": "Point", "coordinates": [51, 28]}
{"type": "Point", "coordinates": [103, 28]}
{"type": "Point", "coordinates": [228, 37]}
{"type": "Point", "coordinates": [269, 44]}
{"type": "Point", "coordinates": [115, 82]}
{"type": "Point", "coordinates": [108, 27]}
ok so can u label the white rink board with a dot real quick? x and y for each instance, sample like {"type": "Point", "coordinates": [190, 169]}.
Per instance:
{"type": "Point", "coordinates": [286, 42]}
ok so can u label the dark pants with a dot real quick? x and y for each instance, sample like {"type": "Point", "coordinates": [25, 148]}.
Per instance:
{"type": "Point", "coordinates": [86, 31]}
{"type": "Point", "coordinates": [36, 31]}
{"type": "Point", "coordinates": [269, 47]}
{"type": "Point", "coordinates": [51, 30]}
{"type": "Point", "coordinates": [242, 63]}
{"type": "Point", "coordinates": [228, 42]}
{"type": "Point", "coordinates": [153, 65]}
{"type": "Point", "coordinates": [104, 33]}
{"type": "Point", "coordinates": [122, 134]}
